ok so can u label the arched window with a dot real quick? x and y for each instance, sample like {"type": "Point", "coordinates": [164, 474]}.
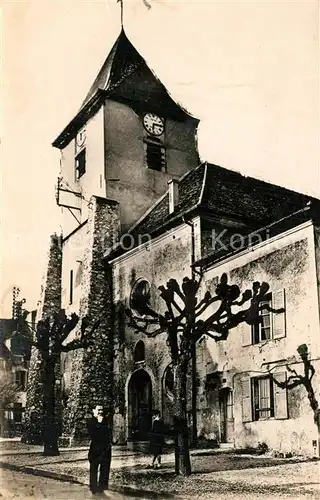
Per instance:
{"type": "Point", "coordinates": [140, 296]}
{"type": "Point", "coordinates": [139, 352]}
{"type": "Point", "coordinates": [168, 383]}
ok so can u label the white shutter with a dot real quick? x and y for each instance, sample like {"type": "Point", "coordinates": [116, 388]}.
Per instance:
{"type": "Point", "coordinates": [278, 319]}
{"type": "Point", "coordinates": [280, 397]}
{"type": "Point", "coordinates": [246, 334]}
{"type": "Point", "coordinates": [246, 399]}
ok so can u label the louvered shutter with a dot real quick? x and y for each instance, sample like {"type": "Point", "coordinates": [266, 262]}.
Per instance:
{"type": "Point", "coordinates": [246, 399]}
{"type": "Point", "coordinates": [278, 319]}
{"type": "Point", "coordinates": [280, 397]}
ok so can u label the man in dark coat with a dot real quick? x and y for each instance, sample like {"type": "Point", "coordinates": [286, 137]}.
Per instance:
{"type": "Point", "coordinates": [100, 450]}
{"type": "Point", "coordinates": [156, 441]}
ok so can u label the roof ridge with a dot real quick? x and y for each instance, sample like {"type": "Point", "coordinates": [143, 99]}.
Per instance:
{"type": "Point", "coordinates": [264, 184]}
{"type": "Point", "coordinates": [205, 174]}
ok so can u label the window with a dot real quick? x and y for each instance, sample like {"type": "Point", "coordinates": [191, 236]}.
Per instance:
{"type": "Point", "coordinates": [80, 161]}
{"type": "Point", "coordinates": [139, 352]}
{"type": "Point", "coordinates": [272, 322]}
{"type": "Point", "coordinates": [262, 330]}
{"type": "Point", "coordinates": [21, 379]}
{"type": "Point", "coordinates": [140, 296]}
{"type": "Point", "coordinates": [168, 383]}
{"type": "Point", "coordinates": [155, 155]}
{"type": "Point", "coordinates": [230, 405]}
{"type": "Point", "coordinates": [17, 412]}
{"type": "Point", "coordinates": [263, 398]}
{"type": "Point", "coordinates": [71, 287]}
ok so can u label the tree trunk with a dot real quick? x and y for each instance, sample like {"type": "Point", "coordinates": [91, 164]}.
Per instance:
{"type": "Point", "coordinates": [50, 428]}
{"type": "Point", "coordinates": [182, 455]}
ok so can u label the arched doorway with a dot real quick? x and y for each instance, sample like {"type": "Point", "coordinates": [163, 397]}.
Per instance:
{"type": "Point", "coordinates": [139, 406]}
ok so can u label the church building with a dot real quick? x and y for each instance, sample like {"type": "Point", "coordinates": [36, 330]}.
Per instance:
{"type": "Point", "coordinates": [140, 208]}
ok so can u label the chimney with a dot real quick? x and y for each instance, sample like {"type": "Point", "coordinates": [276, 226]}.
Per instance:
{"type": "Point", "coordinates": [173, 194]}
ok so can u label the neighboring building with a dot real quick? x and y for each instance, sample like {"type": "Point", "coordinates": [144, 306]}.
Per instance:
{"type": "Point", "coordinates": [140, 209]}
{"type": "Point", "coordinates": [14, 364]}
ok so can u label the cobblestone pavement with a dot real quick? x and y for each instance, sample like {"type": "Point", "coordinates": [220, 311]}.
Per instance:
{"type": "Point", "coordinates": [19, 486]}
{"type": "Point", "coordinates": [216, 476]}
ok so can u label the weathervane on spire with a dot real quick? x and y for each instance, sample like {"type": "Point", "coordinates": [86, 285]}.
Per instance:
{"type": "Point", "coordinates": [146, 3]}
{"type": "Point", "coordinates": [121, 7]}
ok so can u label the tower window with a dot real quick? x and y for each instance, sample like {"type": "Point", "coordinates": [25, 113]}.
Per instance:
{"type": "Point", "coordinates": [155, 154]}
{"type": "Point", "coordinates": [139, 352]}
{"type": "Point", "coordinates": [80, 163]}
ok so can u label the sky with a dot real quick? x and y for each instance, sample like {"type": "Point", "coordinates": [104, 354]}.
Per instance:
{"type": "Point", "coordinates": [249, 70]}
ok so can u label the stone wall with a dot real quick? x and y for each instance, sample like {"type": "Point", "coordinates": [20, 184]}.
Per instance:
{"type": "Point", "coordinates": [91, 377]}
{"type": "Point", "coordinates": [49, 303]}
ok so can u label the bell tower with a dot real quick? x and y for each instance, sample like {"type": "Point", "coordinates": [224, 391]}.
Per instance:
{"type": "Point", "coordinates": [127, 141]}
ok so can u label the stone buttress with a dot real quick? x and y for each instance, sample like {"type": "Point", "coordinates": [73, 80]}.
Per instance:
{"type": "Point", "coordinates": [49, 303]}
{"type": "Point", "coordinates": [91, 377]}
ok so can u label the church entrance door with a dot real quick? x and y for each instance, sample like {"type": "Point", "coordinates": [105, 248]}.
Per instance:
{"type": "Point", "coordinates": [140, 405]}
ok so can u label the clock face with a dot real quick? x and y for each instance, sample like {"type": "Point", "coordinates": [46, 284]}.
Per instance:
{"type": "Point", "coordinates": [81, 138]}
{"type": "Point", "coordinates": [153, 124]}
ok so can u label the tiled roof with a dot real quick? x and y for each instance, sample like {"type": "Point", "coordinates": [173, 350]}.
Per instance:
{"type": "Point", "coordinates": [232, 194]}
{"type": "Point", "coordinates": [224, 193]}
{"type": "Point", "coordinates": [125, 74]}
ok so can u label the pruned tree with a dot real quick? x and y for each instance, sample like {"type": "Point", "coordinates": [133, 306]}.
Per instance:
{"type": "Point", "coordinates": [185, 321]}
{"type": "Point", "coordinates": [304, 379]}
{"type": "Point", "coordinates": [50, 339]}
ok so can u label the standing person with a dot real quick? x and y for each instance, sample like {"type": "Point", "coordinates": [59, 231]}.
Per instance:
{"type": "Point", "coordinates": [100, 450]}
{"type": "Point", "coordinates": [156, 441]}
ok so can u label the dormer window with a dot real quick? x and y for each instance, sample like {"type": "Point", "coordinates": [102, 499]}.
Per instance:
{"type": "Point", "coordinates": [155, 154]}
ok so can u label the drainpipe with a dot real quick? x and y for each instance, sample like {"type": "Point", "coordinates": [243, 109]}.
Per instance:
{"type": "Point", "coordinates": [193, 351]}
